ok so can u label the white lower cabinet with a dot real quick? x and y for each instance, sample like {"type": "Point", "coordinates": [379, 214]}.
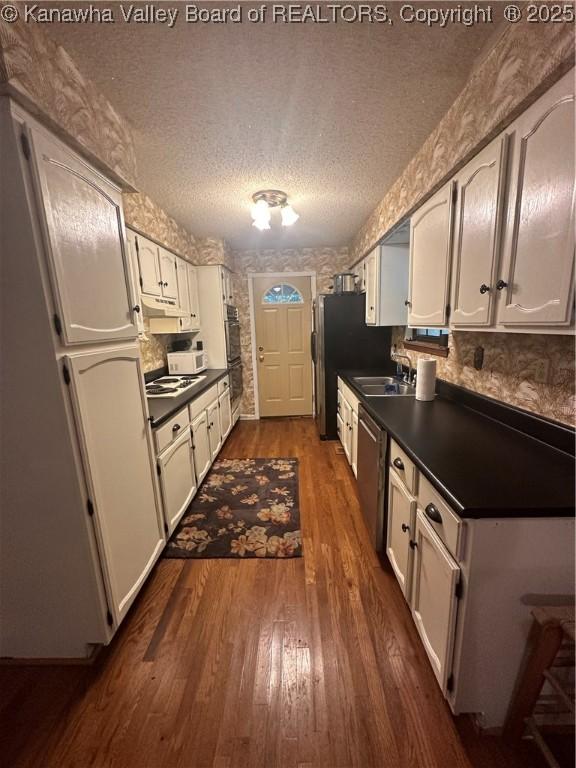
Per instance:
{"type": "Point", "coordinates": [434, 604]}
{"type": "Point", "coordinates": [347, 423]}
{"type": "Point", "coordinates": [401, 516]}
{"type": "Point", "coordinates": [201, 446]}
{"type": "Point", "coordinates": [177, 478]}
{"type": "Point", "coordinates": [117, 457]}
{"type": "Point", "coordinates": [225, 407]}
{"type": "Point", "coordinates": [214, 435]}
{"type": "Point", "coordinates": [471, 585]}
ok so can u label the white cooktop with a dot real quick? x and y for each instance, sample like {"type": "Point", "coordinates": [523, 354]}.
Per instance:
{"type": "Point", "coordinates": [172, 386]}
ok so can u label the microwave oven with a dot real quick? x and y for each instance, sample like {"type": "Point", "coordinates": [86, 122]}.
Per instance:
{"type": "Point", "coordinates": [182, 363]}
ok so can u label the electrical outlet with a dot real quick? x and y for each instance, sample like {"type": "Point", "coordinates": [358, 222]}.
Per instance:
{"type": "Point", "coordinates": [478, 358]}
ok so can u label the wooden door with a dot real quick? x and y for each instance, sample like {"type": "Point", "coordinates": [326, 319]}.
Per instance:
{"type": "Point", "coordinates": [225, 414]}
{"type": "Point", "coordinates": [400, 531]}
{"type": "Point", "coordinates": [168, 274]}
{"type": "Point", "coordinates": [201, 446]}
{"type": "Point", "coordinates": [177, 479]}
{"type": "Point", "coordinates": [184, 295]}
{"type": "Point", "coordinates": [537, 279]}
{"type": "Point", "coordinates": [434, 602]}
{"type": "Point", "coordinates": [81, 212]}
{"type": "Point", "coordinates": [430, 251]}
{"type": "Point", "coordinates": [214, 435]}
{"type": "Point", "coordinates": [111, 419]}
{"type": "Point", "coordinates": [372, 282]}
{"type": "Point", "coordinates": [149, 266]}
{"type": "Point", "coordinates": [283, 324]}
{"type": "Point", "coordinates": [193, 296]}
{"type": "Point", "coordinates": [479, 209]}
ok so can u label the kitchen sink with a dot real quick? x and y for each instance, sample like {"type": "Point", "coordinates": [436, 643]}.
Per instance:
{"type": "Point", "coordinates": [383, 386]}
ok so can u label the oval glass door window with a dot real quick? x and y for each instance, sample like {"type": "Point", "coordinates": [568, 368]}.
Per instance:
{"type": "Point", "coordinates": [282, 294]}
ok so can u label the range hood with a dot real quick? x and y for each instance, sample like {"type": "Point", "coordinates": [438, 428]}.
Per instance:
{"type": "Point", "coordinates": [156, 306]}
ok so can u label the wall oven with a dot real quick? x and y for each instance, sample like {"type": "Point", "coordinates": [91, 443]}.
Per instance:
{"type": "Point", "coordinates": [236, 382]}
{"type": "Point", "coordinates": [232, 328]}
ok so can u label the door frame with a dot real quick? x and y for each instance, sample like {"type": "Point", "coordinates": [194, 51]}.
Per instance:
{"type": "Point", "coordinates": [251, 276]}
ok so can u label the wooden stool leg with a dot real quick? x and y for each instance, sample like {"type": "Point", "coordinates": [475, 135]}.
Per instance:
{"type": "Point", "coordinates": [543, 644]}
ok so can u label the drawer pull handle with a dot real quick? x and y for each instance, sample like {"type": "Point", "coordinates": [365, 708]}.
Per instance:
{"type": "Point", "coordinates": [433, 513]}
{"type": "Point", "coordinates": [398, 463]}
{"type": "Point", "coordinates": [176, 427]}
{"type": "Point", "coordinates": [405, 528]}
{"type": "Point", "coordinates": [413, 544]}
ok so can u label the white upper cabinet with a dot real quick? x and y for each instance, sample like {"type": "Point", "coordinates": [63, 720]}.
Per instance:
{"type": "Point", "coordinates": [537, 275]}
{"type": "Point", "coordinates": [430, 256]}
{"type": "Point", "coordinates": [371, 282]}
{"type": "Point", "coordinates": [168, 274]}
{"type": "Point", "coordinates": [193, 296]}
{"type": "Point", "coordinates": [479, 209]}
{"type": "Point", "coordinates": [184, 295]}
{"type": "Point", "coordinates": [149, 266]}
{"type": "Point", "coordinates": [135, 274]}
{"type": "Point", "coordinates": [111, 420]}
{"type": "Point", "coordinates": [84, 233]}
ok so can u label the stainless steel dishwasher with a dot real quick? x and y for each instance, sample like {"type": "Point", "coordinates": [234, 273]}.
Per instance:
{"type": "Point", "coordinates": [372, 447]}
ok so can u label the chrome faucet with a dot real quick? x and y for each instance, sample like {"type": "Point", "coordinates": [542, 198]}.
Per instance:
{"type": "Point", "coordinates": [408, 376]}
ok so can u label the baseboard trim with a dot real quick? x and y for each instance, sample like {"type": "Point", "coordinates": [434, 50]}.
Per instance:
{"type": "Point", "coordinates": [13, 661]}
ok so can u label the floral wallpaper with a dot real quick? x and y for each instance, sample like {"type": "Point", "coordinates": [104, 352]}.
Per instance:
{"type": "Point", "coordinates": [212, 250]}
{"type": "Point", "coordinates": [325, 262]}
{"type": "Point", "coordinates": [41, 75]}
{"type": "Point", "coordinates": [530, 371]}
{"type": "Point", "coordinates": [525, 61]}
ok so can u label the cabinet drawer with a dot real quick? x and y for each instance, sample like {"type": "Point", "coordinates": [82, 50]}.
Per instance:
{"type": "Point", "coordinates": [173, 428]}
{"type": "Point", "coordinates": [438, 514]}
{"type": "Point", "coordinates": [202, 402]}
{"type": "Point", "coordinates": [404, 467]}
{"type": "Point", "coordinates": [223, 385]}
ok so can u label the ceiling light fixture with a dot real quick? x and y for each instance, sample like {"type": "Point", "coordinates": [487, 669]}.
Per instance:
{"type": "Point", "coordinates": [264, 201]}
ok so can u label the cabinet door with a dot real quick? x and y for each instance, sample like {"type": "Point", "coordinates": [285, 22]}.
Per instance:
{"type": "Point", "coordinates": [347, 419]}
{"type": "Point", "coordinates": [177, 479]}
{"type": "Point", "coordinates": [201, 446]}
{"type": "Point", "coordinates": [149, 266]}
{"type": "Point", "coordinates": [183, 295]}
{"type": "Point", "coordinates": [340, 428]}
{"type": "Point", "coordinates": [399, 532]}
{"type": "Point", "coordinates": [478, 218]}
{"type": "Point", "coordinates": [537, 279]}
{"type": "Point", "coordinates": [168, 274]}
{"type": "Point", "coordinates": [434, 603]}
{"type": "Point", "coordinates": [84, 234]}
{"type": "Point", "coordinates": [193, 296]}
{"type": "Point", "coordinates": [430, 241]}
{"type": "Point", "coordinates": [134, 271]}
{"type": "Point", "coordinates": [372, 279]}
{"type": "Point", "coordinates": [111, 418]}
{"type": "Point", "coordinates": [214, 429]}
{"type": "Point", "coordinates": [225, 414]}
{"type": "Point", "coordinates": [354, 444]}
{"type": "Point", "coordinates": [228, 293]}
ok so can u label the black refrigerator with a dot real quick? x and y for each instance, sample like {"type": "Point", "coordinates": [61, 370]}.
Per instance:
{"type": "Point", "coordinates": [341, 341]}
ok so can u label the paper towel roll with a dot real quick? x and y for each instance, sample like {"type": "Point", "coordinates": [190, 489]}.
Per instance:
{"type": "Point", "coordinates": [426, 378]}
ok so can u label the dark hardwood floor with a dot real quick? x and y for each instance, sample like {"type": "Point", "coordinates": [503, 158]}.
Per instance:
{"type": "Point", "coordinates": [258, 663]}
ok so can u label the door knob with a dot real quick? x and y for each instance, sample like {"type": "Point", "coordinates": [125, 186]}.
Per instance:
{"type": "Point", "coordinates": [261, 358]}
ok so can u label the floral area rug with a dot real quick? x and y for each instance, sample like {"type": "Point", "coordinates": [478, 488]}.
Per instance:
{"type": "Point", "coordinates": [244, 508]}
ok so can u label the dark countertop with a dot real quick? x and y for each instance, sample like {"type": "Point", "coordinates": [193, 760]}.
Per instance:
{"type": "Point", "coordinates": [482, 467]}
{"type": "Point", "coordinates": [162, 408]}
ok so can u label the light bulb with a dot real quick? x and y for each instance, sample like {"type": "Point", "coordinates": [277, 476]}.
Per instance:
{"type": "Point", "coordinates": [260, 210]}
{"type": "Point", "coordinates": [289, 216]}
{"type": "Point", "coordinates": [262, 223]}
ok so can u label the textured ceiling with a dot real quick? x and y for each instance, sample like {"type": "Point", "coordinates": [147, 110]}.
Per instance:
{"type": "Point", "coordinates": [330, 113]}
